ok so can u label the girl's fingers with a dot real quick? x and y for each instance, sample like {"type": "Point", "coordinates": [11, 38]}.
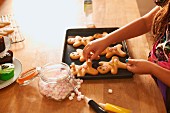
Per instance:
{"type": "Point", "coordinates": [130, 61]}
{"type": "Point", "coordinates": [130, 67]}
{"type": "Point", "coordinates": [94, 55]}
{"type": "Point", "coordinates": [86, 52]}
{"type": "Point", "coordinates": [131, 64]}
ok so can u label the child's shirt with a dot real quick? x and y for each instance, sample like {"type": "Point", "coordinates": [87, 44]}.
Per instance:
{"type": "Point", "coordinates": [160, 54]}
{"type": "Point", "coordinates": [162, 50]}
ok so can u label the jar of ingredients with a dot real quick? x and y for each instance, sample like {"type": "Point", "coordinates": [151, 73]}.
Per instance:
{"type": "Point", "coordinates": [55, 80]}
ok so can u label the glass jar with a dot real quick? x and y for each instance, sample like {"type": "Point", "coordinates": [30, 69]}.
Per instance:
{"type": "Point", "coordinates": [55, 80]}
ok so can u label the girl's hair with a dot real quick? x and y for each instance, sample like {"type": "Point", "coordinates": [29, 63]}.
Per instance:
{"type": "Point", "coordinates": [161, 20]}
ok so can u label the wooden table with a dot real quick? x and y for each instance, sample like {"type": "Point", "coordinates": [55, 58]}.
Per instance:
{"type": "Point", "coordinates": [44, 24]}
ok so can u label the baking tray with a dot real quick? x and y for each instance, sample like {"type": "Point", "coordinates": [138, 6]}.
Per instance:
{"type": "Point", "coordinates": [70, 33]}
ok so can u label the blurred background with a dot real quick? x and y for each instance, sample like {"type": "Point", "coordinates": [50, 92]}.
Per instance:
{"type": "Point", "coordinates": [145, 6]}
{"type": "Point", "coordinates": [36, 16]}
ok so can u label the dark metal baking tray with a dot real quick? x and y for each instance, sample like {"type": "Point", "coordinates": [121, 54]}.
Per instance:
{"type": "Point", "coordinates": [122, 73]}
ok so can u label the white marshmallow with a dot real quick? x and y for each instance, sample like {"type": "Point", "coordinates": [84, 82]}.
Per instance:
{"type": "Point", "coordinates": [79, 98]}
{"type": "Point", "coordinates": [110, 91]}
{"type": "Point", "coordinates": [72, 94]}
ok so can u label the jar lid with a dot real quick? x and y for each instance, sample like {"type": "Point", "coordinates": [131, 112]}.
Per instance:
{"type": "Point", "coordinates": [49, 73]}
{"type": "Point", "coordinates": [55, 72]}
{"type": "Point", "coordinates": [27, 76]}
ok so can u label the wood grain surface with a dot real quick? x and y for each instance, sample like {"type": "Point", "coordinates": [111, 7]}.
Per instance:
{"type": "Point", "coordinates": [44, 24]}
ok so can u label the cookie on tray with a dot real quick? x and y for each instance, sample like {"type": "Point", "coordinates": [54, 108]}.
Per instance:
{"type": "Point", "coordinates": [78, 40]}
{"type": "Point", "coordinates": [113, 65]}
{"type": "Point", "coordinates": [78, 54]}
{"type": "Point", "coordinates": [82, 70]}
{"type": "Point", "coordinates": [115, 50]}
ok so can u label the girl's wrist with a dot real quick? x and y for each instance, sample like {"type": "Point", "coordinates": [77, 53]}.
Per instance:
{"type": "Point", "coordinates": [109, 40]}
{"type": "Point", "coordinates": [153, 68]}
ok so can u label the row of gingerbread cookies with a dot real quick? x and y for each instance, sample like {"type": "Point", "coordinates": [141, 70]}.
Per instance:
{"type": "Point", "coordinates": [86, 68]}
{"type": "Point", "coordinates": [79, 40]}
{"type": "Point", "coordinates": [108, 52]}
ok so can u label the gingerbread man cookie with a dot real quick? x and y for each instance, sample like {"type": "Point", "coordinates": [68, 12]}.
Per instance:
{"type": "Point", "coordinates": [99, 35]}
{"type": "Point", "coordinates": [86, 40]}
{"type": "Point", "coordinates": [78, 40]}
{"type": "Point", "coordinates": [79, 55]}
{"type": "Point", "coordinates": [75, 41]}
{"type": "Point", "coordinates": [116, 50]}
{"type": "Point", "coordinates": [112, 66]}
{"type": "Point", "coordinates": [82, 70]}
{"type": "Point", "coordinates": [6, 32]}
{"type": "Point", "coordinates": [3, 24]}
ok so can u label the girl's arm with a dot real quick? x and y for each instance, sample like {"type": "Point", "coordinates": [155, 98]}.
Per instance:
{"type": "Point", "coordinates": [134, 28]}
{"type": "Point", "coordinates": [161, 73]}
{"type": "Point", "coordinates": [131, 30]}
{"type": "Point", "coordinates": [141, 66]}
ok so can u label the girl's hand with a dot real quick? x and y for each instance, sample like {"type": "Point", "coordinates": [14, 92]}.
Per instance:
{"type": "Point", "coordinates": [94, 48]}
{"type": "Point", "coordinates": [139, 66]}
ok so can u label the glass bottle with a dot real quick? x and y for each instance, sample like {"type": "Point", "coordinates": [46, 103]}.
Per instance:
{"type": "Point", "coordinates": [88, 10]}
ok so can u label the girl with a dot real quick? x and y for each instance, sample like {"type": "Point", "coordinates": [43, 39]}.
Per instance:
{"type": "Point", "coordinates": [158, 64]}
